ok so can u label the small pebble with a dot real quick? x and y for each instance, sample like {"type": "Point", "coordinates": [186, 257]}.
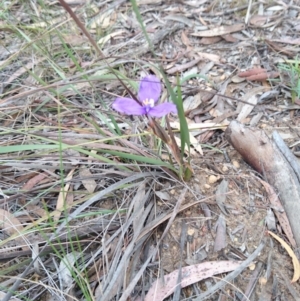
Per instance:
{"type": "Point", "coordinates": [191, 231]}
{"type": "Point", "coordinates": [236, 164]}
{"type": "Point", "coordinates": [263, 281]}
{"type": "Point", "coordinates": [206, 186]}
{"type": "Point", "coordinates": [223, 77]}
{"type": "Point", "coordinates": [252, 267]}
{"type": "Point", "coordinates": [172, 191]}
{"type": "Point", "coordinates": [212, 179]}
{"type": "Point", "coordinates": [224, 168]}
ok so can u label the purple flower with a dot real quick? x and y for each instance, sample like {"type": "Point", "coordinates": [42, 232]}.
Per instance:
{"type": "Point", "coordinates": [148, 95]}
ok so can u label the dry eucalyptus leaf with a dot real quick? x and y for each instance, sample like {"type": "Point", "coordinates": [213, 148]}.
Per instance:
{"type": "Point", "coordinates": [66, 267]}
{"type": "Point", "coordinates": [192, 103]}
{"type": "Point", "coordinates": [295, 260]}
{"type": "Point", "coordinates": [60, 204]}
{"type": "Point", "coordinates": [163, 195]}
{"type": "Point", "coordinates": [250, 97]}
{"type": "Point", "coordinates": [279, 212]}
{"type": "Point", "coordinates": [12, 226]}
{"type": "Point", "coordinates": [220, 240]}
{"type": "Point", "coordinates": [219, 31]}
{"type": "Point", "coordinates": [221, 195]}
{"type": "Point", "coordinates": [86, 179]}
{"type": "Point", "coordinates": [161, 289]}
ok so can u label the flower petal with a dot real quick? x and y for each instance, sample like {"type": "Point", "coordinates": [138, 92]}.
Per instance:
{"type": "Point", "coordinates": [150, 88]}
{"type": "Point", "coordinates": [162, 109]}
{"type": "Point", "coordinates": [128, 106]}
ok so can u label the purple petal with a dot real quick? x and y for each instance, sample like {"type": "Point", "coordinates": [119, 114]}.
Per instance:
{"type": "Point", "coordinates": [150, 88]}
{"type": "Point", "coordinates": [128, 106]}
{"type": "Point", "coordinates": [163, 109]}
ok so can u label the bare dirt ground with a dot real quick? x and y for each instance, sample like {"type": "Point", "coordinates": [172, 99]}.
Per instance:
{"type": "Point", "coordinates": [134, 225]}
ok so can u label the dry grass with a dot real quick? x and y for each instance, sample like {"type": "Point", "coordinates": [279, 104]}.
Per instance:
{"type": "Point", "coordinates": [77, 180]}
{"type": "Point", "coordinates": [87, 196]}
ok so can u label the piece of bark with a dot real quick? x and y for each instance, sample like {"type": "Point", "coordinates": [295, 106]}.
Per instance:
{"type": "Point", "coordinates": [258, 150]}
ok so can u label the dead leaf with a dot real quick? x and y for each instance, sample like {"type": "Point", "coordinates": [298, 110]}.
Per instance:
{"type": "Point", "coordinates": [60, 205]}
{"type": "Point", "coordinates": [219, 31]}
{"type": "Point", "coordinates": [65, 270]}
{"type": "Point", "coordinates": [161, 289]}
{"type": "Point", "coordinates": [237, 79]}
{"type": "Point", "coordinates": [180, 18]}
{"type": "Point", "coordinates": [32, 183]}
{"type": "Point", "coordinates": [292, 254]}
{"type": "Point", "coordinates": [258, 20]}
{"type": "Point", "coordinates": [251, 97]}
{"type": "Point", "coordinates": [209, 56]}
{"type": "Point", "coordinates": [279, 212]}
{"type": "Point", "coordinates": [283, 50]}
{"type": "Point", "coordinates": [192, 103]}
{"type": "Point", "coordinates": [185, 40]}
{"type": "Point", "coordinates": [163, 195]}
{"type": "Point", "coordinates": [199, 126]}
{"type": "Point", "coordinates": [220, 240]}
{"type": "Point", "coordinates": [101, 20]}
{"type": "Point", "coordinates": [194, 142]}
{"type": "Point", "coordinates": [210, 40]}
{"type": "Point", "coordinates": [221, 192]}
{"type": "Point", "coordinates": [111, 35]}
{"type": "Point", "coordinates": [192, 151]}
{"type": "Point", "coordinates": [12, 226]}
{"type": "Point", "coordinates": [258, 74]}
{"type": "Point", "coordinates": [270, 220]}
{"type": "Point", "coordinates": [229, 38]}
{"type": "Point", "coordinates": [183, 67]}
{"type": "Point", "coordinates": [288, 40]}
{"type": "Point", "coordinates": [87, 181]}
{"type": "Point", "coordinates": [75, 40]}
{"type": "Point", "coordinates": [23, 70]}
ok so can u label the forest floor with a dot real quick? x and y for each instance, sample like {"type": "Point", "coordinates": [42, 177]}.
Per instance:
{"type": "Point", "coordinates": [94, 205]}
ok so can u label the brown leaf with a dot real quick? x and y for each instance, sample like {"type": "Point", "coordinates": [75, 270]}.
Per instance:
{"type": "Point", "coordinates": [33, 182]}
{"type": "Point", "coordinates": [229, 38]}
{"type": "Point", "coordinates": [258, 74]}
{"type": "Point", "coordinates": [251, 72]}
{"type": "Point", "coordinates": [288, 40]}
{"type": "Point", "coordinates": [219, 31]}
{"type": "Point", "coordinates": [263, 76]}
{"type": "Point", "coordinates": [210, 40]}
{"type": "Point", "coordinates": [161, 289]}
{"type": "Point", "coordinates": [292, 254]}
{"type": "Point", "coordinates": [258, 20]}
{"type": "Point", "coordinates": [283, 50]}
{"type": "Point", "coordinates": [12, 226]}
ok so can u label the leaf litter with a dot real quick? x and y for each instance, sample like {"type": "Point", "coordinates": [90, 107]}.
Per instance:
{"type": "Point", "coordinates": [119, 215]}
